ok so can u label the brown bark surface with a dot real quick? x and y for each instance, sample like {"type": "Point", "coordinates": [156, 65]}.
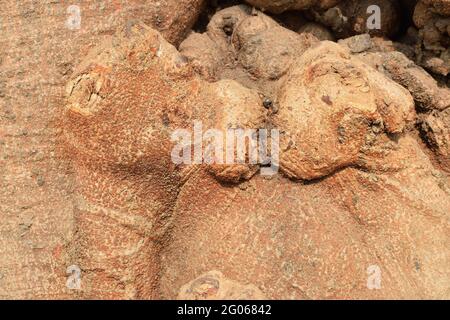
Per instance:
{"type": "Point", "coordinates": [39, 48]}
{"type": "Point", "coordinates": [86, 116]}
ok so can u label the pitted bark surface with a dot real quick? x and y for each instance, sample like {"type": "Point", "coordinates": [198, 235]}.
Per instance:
{"type": "Point", "coordinates": [364, 150]}
{"type": "Point", "coordinates": [345, 126]}
{"type": "Point", "coordinates": [38, 54]}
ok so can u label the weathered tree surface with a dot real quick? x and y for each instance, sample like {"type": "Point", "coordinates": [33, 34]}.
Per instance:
{"type": "Point", "coordinates": [40, 44]}
{"type": "Point", "coordinates": [91, 92]}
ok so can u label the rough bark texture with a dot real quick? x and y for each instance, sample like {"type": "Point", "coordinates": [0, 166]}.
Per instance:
{"type": "Point", "coordinates": [87, 176]}
{"type": "Point", "coordinates": [279, 6]}
{"type": "Point", "coordinates": [432, 18]}
{"type": "Point", "coordinates": [39, 48]}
